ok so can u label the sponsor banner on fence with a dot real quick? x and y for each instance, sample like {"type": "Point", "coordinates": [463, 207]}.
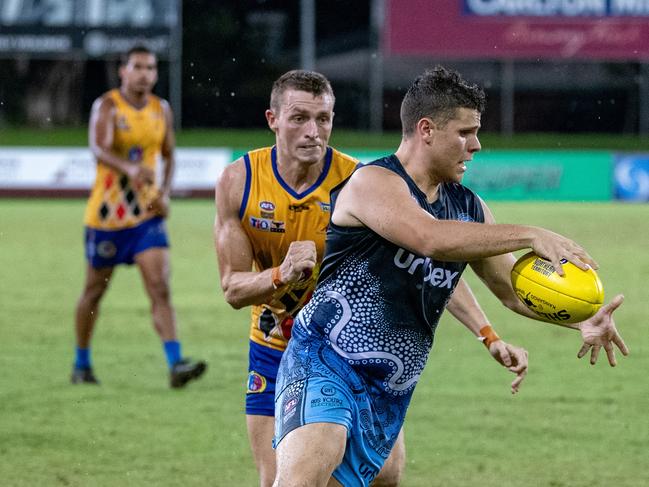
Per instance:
{"type": "Point", "coordinates": [494, 175]}
{"type": "Point", "coordinates": [527, 29]}
{"type": "Point", "coordinates": [71, 169]}
{"type": "Point", "coordinates": [632, 177]}
{"type": "Point", "coordinates": [534, 175]}
{"type": "Point", "coordinates": [541, 175]}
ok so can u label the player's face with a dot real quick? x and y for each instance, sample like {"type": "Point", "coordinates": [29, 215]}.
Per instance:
{"type": "Point", "coordinates": [303, 125]}
{"type": "Point", "coordinates": [140, 74]}
{"type": "Point", "coordinates": [454, 145]}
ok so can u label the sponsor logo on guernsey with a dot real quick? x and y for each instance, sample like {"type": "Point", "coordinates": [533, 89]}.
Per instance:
{"type": "Point", "coordinates": [135, 153]}
{"type": "Point", "coordinates": [298, 208]}
{"type": "Point", "coordinates": [256, 383]}
{"type": "Point", "coordinates": [122, 124]}
{"type": "Point", "coordinates": [268, 225]}
{"type": "Point", "coordinates": [435, 276]}
{"type": "Point", "coordinates": [267, 209]}
{"type": "Point", "coordinates": [465, 217]}
{"type": "Point", "coordinates": [267, 205]}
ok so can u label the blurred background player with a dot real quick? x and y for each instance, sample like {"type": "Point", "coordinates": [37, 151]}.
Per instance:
{"type": "Point", "coordinates": [273, 211]}
{"type": "Point", "coordinates": [130, 128]}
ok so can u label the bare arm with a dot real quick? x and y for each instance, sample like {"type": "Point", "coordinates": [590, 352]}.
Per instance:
{"type": "Point", "coordinates": [241, 285]}
{"type": "Point", "coordinates": [168, 151]}
{"type": "Point", "coordinates": [160, 204]}
{"type": "Point", "coordinates": [464, 307]}
{"type": "Point", "coordinates": [101, 133]}
{"type": "Point", "coordinates": [380, 200]}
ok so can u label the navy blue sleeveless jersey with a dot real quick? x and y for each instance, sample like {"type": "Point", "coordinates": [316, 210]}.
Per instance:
{"type": "Point", "coordinates": [377, 305]}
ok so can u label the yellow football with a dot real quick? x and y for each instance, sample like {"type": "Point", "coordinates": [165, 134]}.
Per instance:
{"type": "Point", "coordinates": [568, 299]}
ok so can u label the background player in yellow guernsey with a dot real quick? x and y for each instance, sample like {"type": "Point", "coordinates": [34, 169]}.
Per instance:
{"type": "Point", "coordinates": [273, 212]}
{"type": "Point", "coordinates": [130, 132]}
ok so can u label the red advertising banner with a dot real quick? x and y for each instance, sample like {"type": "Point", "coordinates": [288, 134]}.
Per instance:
{"type": "Point", "coordinates": [519, 29]}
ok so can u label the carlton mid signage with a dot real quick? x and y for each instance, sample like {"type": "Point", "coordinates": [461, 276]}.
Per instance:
{"type": "Point", "coordinates": [547, 29]}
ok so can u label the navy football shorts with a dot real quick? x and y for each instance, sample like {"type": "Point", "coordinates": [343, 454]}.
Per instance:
{"type": "Point", "coordinates": [108, 248]}
{"type": "Point", "coordinates": [263, 363]}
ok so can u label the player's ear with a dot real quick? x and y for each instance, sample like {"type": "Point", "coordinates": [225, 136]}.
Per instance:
{"type": "Point", "coordinates": [271, 119]}
{"type": "Point", "coordinates": [425, 127]}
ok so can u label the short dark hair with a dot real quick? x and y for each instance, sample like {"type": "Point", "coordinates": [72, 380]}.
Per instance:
{"type": "Point", "coordinates": [137, 49]}
{"type": "Point", "coordinates": [298, 79]}
{"type": "Point", "coordinates": [437, 94]}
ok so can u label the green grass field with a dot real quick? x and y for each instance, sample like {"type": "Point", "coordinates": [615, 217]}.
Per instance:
{"type": "Point", "coordinates": [571, 424]}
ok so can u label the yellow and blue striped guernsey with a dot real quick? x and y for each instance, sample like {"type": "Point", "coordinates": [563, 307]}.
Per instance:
{"type": "Point", "coordinates": [114, 202]}
{"type": "Point", "coordinates": [273, 215]}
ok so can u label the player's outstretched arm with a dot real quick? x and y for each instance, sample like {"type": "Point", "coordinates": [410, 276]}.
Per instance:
{"type": "Point", "coordinates": [379, 199]}
{"type": "Point", "coordinates": [599, 331]}
{"type": "Point", "coordinates": [465, 308]}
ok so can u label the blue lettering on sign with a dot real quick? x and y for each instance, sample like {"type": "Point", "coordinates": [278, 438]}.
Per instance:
{"type": "Point", "coordinates": [556, 8]}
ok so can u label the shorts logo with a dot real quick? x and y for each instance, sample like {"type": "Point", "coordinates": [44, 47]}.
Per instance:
{"type": "Point", "coordinates": [256, 383]}
{"type": "Point", "coordinates": [328, 390]}
{"type": "Point", "coordinates": [106, 249]}
{"type": "Point", "coordinates": [367, 471]}
{"type": "Point", "coordinates": [289, 409]}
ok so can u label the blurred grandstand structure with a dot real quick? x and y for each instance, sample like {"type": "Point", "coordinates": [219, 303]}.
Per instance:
{"type": "Point", "coordinates": [561, 66]}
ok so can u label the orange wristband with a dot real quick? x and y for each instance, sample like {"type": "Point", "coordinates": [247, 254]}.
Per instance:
{"type": "Point", "coordinates": [488, 335]}
{"type": "Point", "coordinates": [276, 277]}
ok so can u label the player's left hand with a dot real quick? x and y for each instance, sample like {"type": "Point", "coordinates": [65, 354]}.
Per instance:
{"type": "Point", "coordinates": [159, 206]}
{"type": "Point", "coordinates": [599, 331]}
{"type": "Point", "coordinates": [511, 357]}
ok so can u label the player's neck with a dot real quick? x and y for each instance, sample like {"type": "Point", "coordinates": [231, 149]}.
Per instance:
{"type": "Point", "coordinates": [137, 100]}
{"type": "Point", "coordinates": [297, 174]}
{"type": "Point", "coordinates": [415, 164]}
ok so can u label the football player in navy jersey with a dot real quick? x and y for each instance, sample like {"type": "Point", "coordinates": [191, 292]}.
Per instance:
{"type": "Point", "coordinates": [403, 229]}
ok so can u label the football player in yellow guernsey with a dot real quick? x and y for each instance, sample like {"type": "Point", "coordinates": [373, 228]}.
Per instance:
{"type": "Point", "coordinates": [273, 209]}
{"type": "Point", "coordinates": [130, 131]}
{"type": "Point", "coordinates": [273, 213]}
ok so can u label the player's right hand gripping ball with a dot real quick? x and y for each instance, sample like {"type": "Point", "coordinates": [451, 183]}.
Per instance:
{"type": "Point", "coordinates": [569, 299]}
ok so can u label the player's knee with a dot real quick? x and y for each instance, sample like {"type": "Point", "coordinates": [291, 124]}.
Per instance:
{"type": "Point", "coordinates": [94, 292]}
{"type": "Point", "coordinates": [159, 291]}
{"type": "Point", "coordinates": [390, 474]}
{"type": "Point", "coordinates": [389, 478]}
